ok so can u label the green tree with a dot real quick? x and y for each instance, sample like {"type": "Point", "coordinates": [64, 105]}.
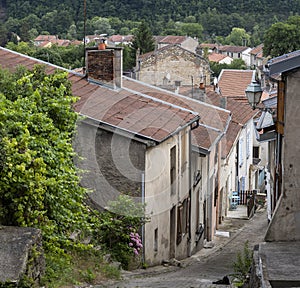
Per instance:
{"type": "Point", "coordinates": [21, 47]}
{"type": "Point", "coordinates": [192, 29]}
{"type": "Point", "coordinates": [39, 183]}
{"type": "Point", "coordinates": [282, 37]}
{"type": "Point", "coordinates": [235, 64]}
{"type": "Point", "coordinates": [101, 25]}
{"type": "Point", "coordinates": [51, 55]}
{"type": "Point", "coordinates": [143, 39]}
{"type": "Point", "coordinates": [238, 37]}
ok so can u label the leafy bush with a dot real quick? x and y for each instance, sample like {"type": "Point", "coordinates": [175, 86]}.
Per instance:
{"type": "Point", "coordinates": [120, 225]}
{"type": "Point", "coordinates": [242, 265]}
{"type": "Point", "coordinates": [39, 183]}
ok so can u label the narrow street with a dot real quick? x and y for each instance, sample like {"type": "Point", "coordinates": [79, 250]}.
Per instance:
{"type": "Point", "coordinates": [208, 265]}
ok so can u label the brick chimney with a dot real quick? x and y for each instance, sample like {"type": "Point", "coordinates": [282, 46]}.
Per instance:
{"type": "Point", "coordinates": [105, 66]}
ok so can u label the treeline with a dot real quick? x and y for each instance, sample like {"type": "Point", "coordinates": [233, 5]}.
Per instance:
{"type": "Point", "coordinates": [206, 18]}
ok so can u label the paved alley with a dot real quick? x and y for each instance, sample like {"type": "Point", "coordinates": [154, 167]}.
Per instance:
{"type": "Point", "coordinates": [208, 265]}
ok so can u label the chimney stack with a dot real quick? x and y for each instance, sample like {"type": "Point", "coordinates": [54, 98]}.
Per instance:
{"type": "Point", "coordinates": [105, 66]}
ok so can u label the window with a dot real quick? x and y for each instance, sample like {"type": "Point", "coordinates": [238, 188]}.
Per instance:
{"type": "Point", "coordinates": [256, 152]}
{"type": "Point", "coordinates": [156, 240]}
{"type": "Point", "coordinates": [183, 219]}
{"type": "Point", "coordinates": [173, 169]}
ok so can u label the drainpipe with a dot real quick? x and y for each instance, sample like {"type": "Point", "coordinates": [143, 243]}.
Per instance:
{"type": "Point", "coordinates": [143, 227]}
{"type": "Point", "coordinates": [190, 195]}
{"type": "Point", "coordinates": [208, 220]}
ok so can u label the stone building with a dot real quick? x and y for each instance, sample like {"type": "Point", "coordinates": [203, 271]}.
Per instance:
{"type": "Point", "coordinates": [172, 66]}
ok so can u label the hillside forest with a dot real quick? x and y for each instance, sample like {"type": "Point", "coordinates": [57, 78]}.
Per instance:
{"type": "Point", "coordinates": [206, 19]}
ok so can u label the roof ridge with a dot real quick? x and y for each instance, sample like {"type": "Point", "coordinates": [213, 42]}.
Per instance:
{"type": "Point", "coordinates": [160, 101]}
{"type": "Point", "coordinates": [178, 95]}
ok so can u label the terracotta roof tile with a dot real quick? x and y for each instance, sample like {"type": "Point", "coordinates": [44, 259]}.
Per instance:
{"type": "Point", "coordinates": [208, 45]}
{"type": "Point", "coordinates": [241, 114]}
{"type": "Point", "coordinates": [240, 78]}
{"type": "Point", "coordinates": [257, 50]}
{"type": "Point", "coordinates": [233, 49]}
{"type": "Point", "coordinates": [216, 57]}
{"type": "Point", "coordinates": [130, 110]}
{"type": "Point", "coordinates": [213, 120]}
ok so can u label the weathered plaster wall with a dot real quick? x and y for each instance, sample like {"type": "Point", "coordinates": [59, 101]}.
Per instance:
{"type": "Point", "coordinates": [113, 164]}
{"type": "Point", "coordinates": [160, 201]}
{"type": "Point", "coordinates": [285, 224]}
{"type": "Point", "coordinates": [198, 197]}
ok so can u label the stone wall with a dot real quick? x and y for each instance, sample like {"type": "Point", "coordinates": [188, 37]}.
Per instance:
{"type": "Point", "coordinates": [174, 64]}
{"type": "Point", "coordinates": [21, 254]}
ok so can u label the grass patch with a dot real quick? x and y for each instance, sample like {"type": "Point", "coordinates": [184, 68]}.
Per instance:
{"type": "Point", "coordinates": [78, 269]}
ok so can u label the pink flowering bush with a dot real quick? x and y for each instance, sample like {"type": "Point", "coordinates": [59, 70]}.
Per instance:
{"type": "Point", "coordinates": [135, 243]}
{"type": "Point", "coordinates": [119, 226]}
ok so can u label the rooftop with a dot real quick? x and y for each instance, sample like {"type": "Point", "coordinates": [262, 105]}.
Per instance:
{"type": "Point", "coordinates": [216, 57]}
{"type": "Point", "coordinates": [233, 49]}
{"type": "Point", "coordinates": [128, 110]}
{"type": "Point", "coordinates": [240, 78]}
{"type": "Point", "coordinates": [213, 119]}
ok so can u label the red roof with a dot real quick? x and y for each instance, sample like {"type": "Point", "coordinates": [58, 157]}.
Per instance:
{"type": "Point", "coordinates": [233, 83]}
{"type": "Point", "coordinates": [213, 120]}
{"type": "Point", "coordinates": [216, 57]}
{"type": "Point", "coordinates": [233, 49]}
{"type": "Point", "coordinates": [45, 38]}
{"type": "Point", "coordinates": [241, 113]}
{"type": "Point", "coordinates": [257, 50]}
{"type": "Point", "coordinates": [132, 111]}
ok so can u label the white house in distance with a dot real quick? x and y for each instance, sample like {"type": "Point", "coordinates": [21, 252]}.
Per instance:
{"type": "Point", "coordinates": [219, 58]}
{"type": "Point", "coordinates": [236, 52]}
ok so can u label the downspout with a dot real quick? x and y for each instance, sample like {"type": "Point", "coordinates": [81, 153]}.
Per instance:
{"type": "Point", "coordinates": [143, 226]}
{"type": "Point", "coordinates": [190, 196]}
{"type": "Point", "coordinates": [208, 236]}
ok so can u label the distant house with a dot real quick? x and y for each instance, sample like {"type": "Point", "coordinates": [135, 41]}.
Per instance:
{"type": "Point", "coordinates": [236, 52]}
{"type": "Point", "coordinates": [44, 40]}
{"type": "Point", "coordinates": [115, 40]}
{"type": "Point", "coordinates": [210, 47]}
{"type": "Point", "coordinates": [185, 42]}
{"type": "Point", "coordinates": [172, 65]}
{"type": "Point", "coordinates": [47, 41]}
{"type": "Point", "coordinates": [256, 56]}
{"type": "Point", "coordinates": [219, 58]}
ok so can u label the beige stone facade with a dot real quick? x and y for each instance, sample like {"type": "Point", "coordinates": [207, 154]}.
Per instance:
{"type": "Point", "coordinates": [173, 66]}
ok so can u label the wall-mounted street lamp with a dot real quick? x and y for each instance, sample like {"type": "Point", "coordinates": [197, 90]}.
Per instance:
{"type": "Point", "coordinates": [253, 94]}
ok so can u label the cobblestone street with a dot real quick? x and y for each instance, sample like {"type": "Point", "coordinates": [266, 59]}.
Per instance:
{"type": "Point", "coordinates": [206, 266]}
